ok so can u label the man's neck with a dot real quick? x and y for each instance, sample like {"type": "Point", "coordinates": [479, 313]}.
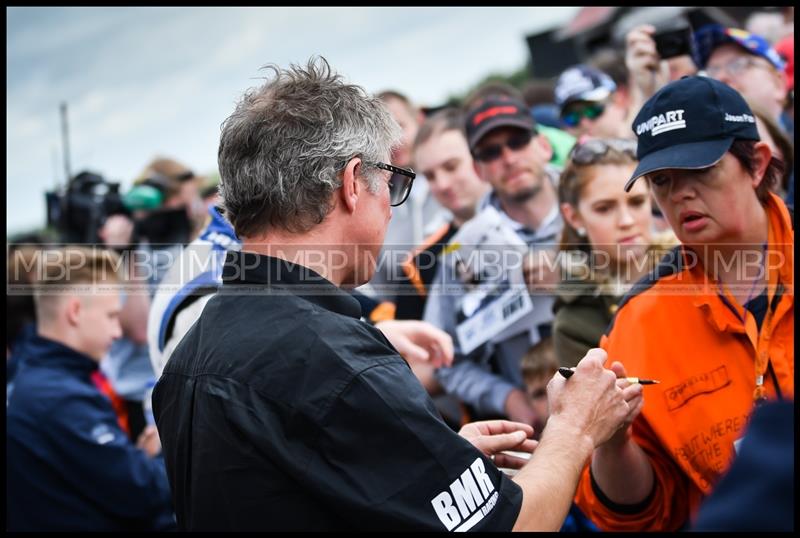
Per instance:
{"type": "Point", "coordinates": [532, 212]}
{"type": "Point", "coordinates": [314, 251]}
{"type": "Point", "coordinates": [63, 337]}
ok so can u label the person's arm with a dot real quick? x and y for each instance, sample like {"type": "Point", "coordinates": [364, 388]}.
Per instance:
{"type": "Point", "coordinates": [468, 378]}
{"type": "Point", "coordinates": [184, 320]}
{"type": "Point", "coordinates": [117, 232]}
{"type": "Point", "coordinates": [382, 459]}
{"type": "Point", "coordinates": [418, 341]}
{"type": "Point", "coordinates": [620, 467]}
{"type": "Point", "coordinates": [100, 462]}
{"type": "Point", "coordinates": [472, 382]}
{"type": "Point", "coordinates": [586, 410]}
{"type": "Point", "coordinates": [647, 72]}
{"type": "Point", "coordinates": [135, 310]}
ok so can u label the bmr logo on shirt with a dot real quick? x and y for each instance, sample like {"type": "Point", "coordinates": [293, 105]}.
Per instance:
{"type": "Point", "coordinates": [469, 498]}
{"type": "Point", "coordinates": [668, 121]}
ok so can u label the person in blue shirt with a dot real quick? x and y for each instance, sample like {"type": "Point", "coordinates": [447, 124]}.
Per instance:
{"type": "Point", "coordinates": [757, 492]}
{"type": "Point", "coordinates": [70, 464]}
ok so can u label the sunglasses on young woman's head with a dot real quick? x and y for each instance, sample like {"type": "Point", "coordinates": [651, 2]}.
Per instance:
{"type": "Point", "coordinates": [592, 150]}
{"type": "Point", "coordinates": [400, 182]}
{"type": "Point", "coordinates": [572, 117]}
{"type": "Point", "coordinates": [514, 142]}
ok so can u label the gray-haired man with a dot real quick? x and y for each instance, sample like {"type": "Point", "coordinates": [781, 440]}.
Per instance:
{"type": "Point", "coordinates": [280, 409]}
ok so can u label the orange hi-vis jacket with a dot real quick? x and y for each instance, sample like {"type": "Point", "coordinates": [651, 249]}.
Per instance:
{"type": "Point", "coordinates": [707, 351]}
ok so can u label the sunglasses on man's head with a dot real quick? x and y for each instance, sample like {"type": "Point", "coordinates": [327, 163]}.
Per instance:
{"type": "Point", "coordinates": [400, 182]}
{"type": "Point", "coordinates": [594, 149]}
{"type": "Point", "coordinates": [491, 152]}
{"type": "Point", "coordinates": [572, 117]}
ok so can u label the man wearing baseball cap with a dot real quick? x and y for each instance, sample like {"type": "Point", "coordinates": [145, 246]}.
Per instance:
{"type": "Point", "coordinates": [590, 103]}
{"type": "Point", "coordinates": [747, 63]}
{"type": "Point", "coordinates": [513, 158]}
{"type": "Point", "coordinates": [713, 322]}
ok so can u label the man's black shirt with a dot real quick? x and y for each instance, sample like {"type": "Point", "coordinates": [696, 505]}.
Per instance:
{"type": "Point", "coordinates": [281, 410]}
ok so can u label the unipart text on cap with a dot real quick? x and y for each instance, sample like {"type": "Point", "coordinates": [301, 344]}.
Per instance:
{"type": "Point", "coordinates": [669, 121]}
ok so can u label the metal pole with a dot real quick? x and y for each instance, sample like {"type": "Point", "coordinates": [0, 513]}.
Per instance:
{"type": "Point", "coordinates": [54, 155]}
{"type": "Point", "coordinates": [65, 139]}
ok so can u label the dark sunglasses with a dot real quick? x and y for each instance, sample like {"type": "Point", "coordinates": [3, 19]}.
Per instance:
{"type": "Point", "coordinates": [594, 149]}
{"type": "Point", "coordinates": [514, 143]}
{"type": "Point", "coordinates": [572, 118]}
{"type": "Point", "coordinates": [399, 184]}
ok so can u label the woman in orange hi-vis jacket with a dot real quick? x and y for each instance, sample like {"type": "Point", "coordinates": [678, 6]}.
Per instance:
{"type": "Point", "coordinates": [713, 322]}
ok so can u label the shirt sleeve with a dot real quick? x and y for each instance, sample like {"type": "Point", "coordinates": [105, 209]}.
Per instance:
{"type": "Point", "coordinates": [669, 505]}
{"type": "Point", "coordinates": [413, 472]}
{"type": "Point", "coordinates": [667, 509]}
{"type": "Point", "coordinates": [99, 461]}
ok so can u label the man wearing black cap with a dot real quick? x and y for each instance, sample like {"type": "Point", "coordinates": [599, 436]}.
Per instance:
{"type": "Point", "coordinates": [713, 322]}
{"type": "Point", "coordinates": [508, 154]}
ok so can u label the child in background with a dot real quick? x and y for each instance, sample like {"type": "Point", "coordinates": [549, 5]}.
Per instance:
{"type": "Point", "coordinates": [539, 365]}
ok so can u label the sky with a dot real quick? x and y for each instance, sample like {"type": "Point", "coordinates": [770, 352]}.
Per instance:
{"type": "Point", "coordinates": [147, 82]}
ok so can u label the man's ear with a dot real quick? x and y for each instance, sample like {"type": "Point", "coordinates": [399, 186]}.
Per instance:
{"type": "Point", "coordinates": [544, 143]}
{"type": "Point", "coordinates": [351, 186]}
{"type": "Point", "coordinates": [73, 310]}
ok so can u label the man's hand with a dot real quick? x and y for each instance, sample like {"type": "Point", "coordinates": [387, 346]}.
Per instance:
{"type": "Point", "coordinates": [647, 71]}
{"type": "Point", "coordinates": [493, 436]}
{"type": "Point", "coordinates": [590, 402]}
{"type": "Point", "coordinates": [149, 441]}
{"type": "Point", "coordinates": [418, 341]}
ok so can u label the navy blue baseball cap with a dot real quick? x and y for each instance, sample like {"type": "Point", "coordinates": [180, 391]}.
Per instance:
{"type": "Point", "coordinates": [690, 124]}
{"type": "Point", "coordinates": [582, 83]}
{"type": "Point", "coordinates": [711, 36]}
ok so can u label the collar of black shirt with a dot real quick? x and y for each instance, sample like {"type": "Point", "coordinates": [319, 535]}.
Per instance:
{"type": "Point", "coordinates": [248, 272]}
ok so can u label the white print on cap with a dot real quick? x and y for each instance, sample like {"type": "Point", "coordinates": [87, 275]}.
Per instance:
{"type": "Point", "coordinates": [469, 492]}
{"type": "Point", "coordinates": [668, 121]}
{"type": "Point", "coordinates": [741, 118]}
